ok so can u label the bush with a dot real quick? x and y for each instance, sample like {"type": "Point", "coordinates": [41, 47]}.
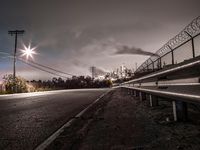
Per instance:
{"type": "Point", "coordinates": [20, 84]}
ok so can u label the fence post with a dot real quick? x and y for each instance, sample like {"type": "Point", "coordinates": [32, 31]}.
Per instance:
{"type": "Point", "coordinates": [152, 63]}
{"type": "Point", "coordinates": [192, 40]}
{"type": "Point", "coordinates": [172, 51]}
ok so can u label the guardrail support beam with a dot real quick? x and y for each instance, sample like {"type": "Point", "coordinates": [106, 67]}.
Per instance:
{"type": "Point", "coordinates": [153, 100]}
{"type": "Point", "coordinates": [179, 110]}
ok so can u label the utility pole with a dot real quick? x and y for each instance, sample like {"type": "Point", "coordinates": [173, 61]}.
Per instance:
{"type": "Point", "coordinates": [16, 33]}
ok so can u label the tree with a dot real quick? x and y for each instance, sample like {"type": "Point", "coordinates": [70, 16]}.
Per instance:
{"type": "Point", "coordinates": [20, 84]}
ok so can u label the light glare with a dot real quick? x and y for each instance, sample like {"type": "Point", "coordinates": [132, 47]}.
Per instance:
{"type": "Point", "coordinates": [28, 51]}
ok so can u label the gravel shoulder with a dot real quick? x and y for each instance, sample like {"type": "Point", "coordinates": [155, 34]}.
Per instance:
{"type": "Point", "coordinates": [122, 122]}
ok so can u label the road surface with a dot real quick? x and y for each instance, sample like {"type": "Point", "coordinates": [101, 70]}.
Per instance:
{"type": "Point", "coordinates": [28, 119]}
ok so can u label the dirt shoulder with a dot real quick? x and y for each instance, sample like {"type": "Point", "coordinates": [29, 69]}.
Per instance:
{"type": "Point", "coordinates": [121, 122]}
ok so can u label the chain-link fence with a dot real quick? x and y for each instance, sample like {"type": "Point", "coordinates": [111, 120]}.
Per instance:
{"type": "Point", "coordinates": [183, 47]}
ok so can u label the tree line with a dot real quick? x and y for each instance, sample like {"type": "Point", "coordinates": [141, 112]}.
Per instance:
{"type": "Point", "coordinates": [71, 83]}
{"type": "Point", "coordinates": [75, 82]}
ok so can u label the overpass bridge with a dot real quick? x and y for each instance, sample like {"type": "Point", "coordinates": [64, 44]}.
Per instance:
{"type": "Point", "coordinates": [173, 73]}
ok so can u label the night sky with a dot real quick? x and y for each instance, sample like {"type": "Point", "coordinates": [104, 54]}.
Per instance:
{"type": "Point", "coordinates": [72, 35]}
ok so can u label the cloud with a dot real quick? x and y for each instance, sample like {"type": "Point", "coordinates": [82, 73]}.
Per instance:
{"type": "Point", "coordinates": [77, 33]}
{"type": "Point", "coordinates": [121, 50]}
{"type": "Point", "coordinates": [79, 63]}
{"type": "Point", "coordinates": [113, 47]}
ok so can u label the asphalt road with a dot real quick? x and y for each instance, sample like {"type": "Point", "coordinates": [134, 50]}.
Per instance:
{"type": "Point", "coordinates": [26, 120]}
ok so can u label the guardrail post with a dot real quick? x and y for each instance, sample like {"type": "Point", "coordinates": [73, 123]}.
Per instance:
{"type": "Point", "coordinates": [136, 93]}
{"type": "Point", "coordinates": [153, 100]}
{"type": "Point", "coordinates": [132, 92]}
{"type": "Point", "coordinates": [179, 110]}
{"type": "Point", "coordinates": [128, 91]}
{"type": "Point", "coordinates": [142, 96]}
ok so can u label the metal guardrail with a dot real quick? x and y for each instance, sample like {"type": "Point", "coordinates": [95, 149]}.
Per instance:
{"type": "Point", "coordinates": [169, 94]}
{"type": "Point", "coordinates": [161, 87]}
{"type": "Point", "coordinates": [179, 90]}
{"type": "Point", "coordinates": [179, 100]}
{"type": "Point", "coordinates": [171, 59]}
{"type": "Point", "coordinates": [163, 72]}
{"type": "Point", "coordinates": [183, 46]}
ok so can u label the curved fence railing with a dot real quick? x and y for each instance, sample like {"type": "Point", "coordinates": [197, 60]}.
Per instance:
{"type": "Point", "coordinates": [184, 46]}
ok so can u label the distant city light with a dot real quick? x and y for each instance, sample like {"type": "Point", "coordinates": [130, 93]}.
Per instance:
{"type": "Point", "coordinates": [28, 51]}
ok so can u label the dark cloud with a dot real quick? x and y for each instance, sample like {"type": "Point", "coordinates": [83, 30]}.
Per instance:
{"type": "Point", "coordinates": [78, 63]}
{"type": "Point", "coordinates": [69, 33]}
{"type": "Point", "coordinates": [121, 50]}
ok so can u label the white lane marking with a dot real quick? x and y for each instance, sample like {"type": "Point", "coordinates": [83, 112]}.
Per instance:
{"type": "Point", "coordinates": [83, 111]}
{"type": "Point", "coordinates": [50, 139]}
{"type": "Point", "coordinates": [54, 135]}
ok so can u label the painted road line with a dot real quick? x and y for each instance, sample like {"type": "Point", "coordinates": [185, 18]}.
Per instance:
{"type": "Point", "coordinates": [50, 139]}
{"type": "Point", "coordinates": [83, 111]}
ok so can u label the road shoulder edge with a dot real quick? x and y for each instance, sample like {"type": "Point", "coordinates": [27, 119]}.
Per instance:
{"type": "Point", "coordinates": [53, 136]}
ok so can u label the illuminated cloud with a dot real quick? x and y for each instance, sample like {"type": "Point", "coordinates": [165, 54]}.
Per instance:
{"type": "Point", "coordinates": [74, 35]}
{"type": "Point", "coordinates": [132, 51]}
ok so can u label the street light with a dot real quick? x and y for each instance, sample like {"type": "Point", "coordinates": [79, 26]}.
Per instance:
{"type": "Point", "coordinates": [28, 51]}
